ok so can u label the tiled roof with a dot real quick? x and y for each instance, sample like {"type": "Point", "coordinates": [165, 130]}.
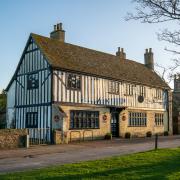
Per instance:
{"type": "Point", "coordinates": [79, 59]}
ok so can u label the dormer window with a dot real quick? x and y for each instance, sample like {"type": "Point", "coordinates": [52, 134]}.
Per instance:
{"type": "Point", "coordinates": [73, 81]}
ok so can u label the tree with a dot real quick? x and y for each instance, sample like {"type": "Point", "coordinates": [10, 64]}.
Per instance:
{"type": "Point", "coordinates": [159, 11]}
{"type": "Point", "coordinates": [3, 102]}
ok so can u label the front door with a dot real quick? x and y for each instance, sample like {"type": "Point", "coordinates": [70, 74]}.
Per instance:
{"type": "Point", "coordinates": [115, 124]}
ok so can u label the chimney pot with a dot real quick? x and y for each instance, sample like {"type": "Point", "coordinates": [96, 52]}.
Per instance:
{"type": "Point", "coordinates": [120, 53]}
{"type": "Point", "coordinates": [60, 25]}
{"type": "Point", "coordinates": [148, 59]}
{"type": "Point", "coordinates": [58, 33]}
{"type": "Point", "coordinates": [55, 28]}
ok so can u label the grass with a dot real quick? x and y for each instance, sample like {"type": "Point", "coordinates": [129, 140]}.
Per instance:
{"type": "Point", "coordinates": [160, 164]}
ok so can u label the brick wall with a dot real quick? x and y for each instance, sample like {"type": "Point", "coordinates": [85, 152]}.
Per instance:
{"type": "Point", "coordinates": [139, 131]}
{"type": "Point", "coordinates": [12, 138]}
{"type": "Point", "coordinates": [104, 126]}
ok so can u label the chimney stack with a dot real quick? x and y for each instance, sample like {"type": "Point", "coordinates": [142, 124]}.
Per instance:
{"type": "Point", "coordinates": [58, 33]}
{"type": "Point", "coordinates": [148, 59]}
{"type": "Point", "coordinates": [120, 53]}
{"type": "Point", "coordinates": [177, 83]}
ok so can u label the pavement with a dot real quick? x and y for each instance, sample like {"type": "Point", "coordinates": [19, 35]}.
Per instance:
{"type": "Point", "coordinates": [47, 155]}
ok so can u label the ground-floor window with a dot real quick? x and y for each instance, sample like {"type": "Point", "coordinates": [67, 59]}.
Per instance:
{"type": "Point", "coordinates": [137, 119]}
{"type": "Point", "coordinates": [159, 119]}
{"type": "Point", "coordinates": [84, 119]}
{"type": "Point", "coordinates": [31, 120]}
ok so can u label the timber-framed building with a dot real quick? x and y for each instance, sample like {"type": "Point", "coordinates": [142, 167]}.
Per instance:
{"type": "Point", "coordinates": [81, 91]}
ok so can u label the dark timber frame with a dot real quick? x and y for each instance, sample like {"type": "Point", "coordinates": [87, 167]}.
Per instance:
{"type": "Point", "coordinates": [37, 99]}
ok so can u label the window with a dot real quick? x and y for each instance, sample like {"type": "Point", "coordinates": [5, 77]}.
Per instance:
{"type": "Point", "coordinates": [32, 81]}
{"type": "Point", "coordinates": [142, 91]}
{"type": "Point", "coordinates": [31, 120]}
{"type": "Point", "coordinates": [129, 89]}
{"type": "Point", "coordinates": [159, 119]}
{"type": "Point", "coordinates": [113, 87]}
{"type": "Point", "coordinates": [158, 94]}
{"type": "Point", "coordinates": [73, 81]}
{"type": "Point", "coordinates": [137, 119]}
{"type": "Point", "coordinates": [84, 119]}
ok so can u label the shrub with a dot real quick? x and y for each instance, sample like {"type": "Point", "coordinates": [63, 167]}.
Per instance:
{"type": "Point", "coordinates": [149, 134]}
{"type": "Point", "coordinates": [166, 133]}
{"type": "Point", "coordinates": [108, 136]}
{"type": "Point", "coordinates": [127, 135]}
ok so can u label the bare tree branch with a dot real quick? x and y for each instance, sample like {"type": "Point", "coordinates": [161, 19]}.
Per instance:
{"type": "Point", "coordinates": [159, 11]}
{"type": "Point", "coordinates": [155, 11]}
{"type": "Point", "coordinates": [170, 37]}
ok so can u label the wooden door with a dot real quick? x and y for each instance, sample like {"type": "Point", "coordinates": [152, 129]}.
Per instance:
{"type": "Point", "coordinates": [115, 124]}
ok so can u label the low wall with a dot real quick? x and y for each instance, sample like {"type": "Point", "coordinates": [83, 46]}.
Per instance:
{"type": "Point", "coordinates": [12, 138]}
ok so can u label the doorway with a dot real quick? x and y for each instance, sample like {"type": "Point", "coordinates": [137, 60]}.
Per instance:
{"type": "Point", "coordinates": [115, 120]}
{"type": "Point", "coordinates": [115, 124]}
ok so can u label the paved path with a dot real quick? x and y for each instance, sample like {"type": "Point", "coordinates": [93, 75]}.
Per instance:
{"type": "Point", "coordinates": [43, 156]}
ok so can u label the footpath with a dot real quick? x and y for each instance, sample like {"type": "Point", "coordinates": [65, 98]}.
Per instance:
{"type": "Point", "coordinates": [46, 155]}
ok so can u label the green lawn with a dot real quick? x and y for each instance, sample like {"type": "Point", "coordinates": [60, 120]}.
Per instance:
{"type": "Point", "coordinates": [160, 164]}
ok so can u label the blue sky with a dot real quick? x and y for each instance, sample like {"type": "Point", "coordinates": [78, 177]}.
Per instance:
{"type": "Point", "coordinates": [96, 24]}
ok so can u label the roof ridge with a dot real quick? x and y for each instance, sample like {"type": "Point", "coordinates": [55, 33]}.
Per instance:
{"type": "Point", "coordinates": [98, 51]}
{"type": "Point", "coordinates": [72, 57]}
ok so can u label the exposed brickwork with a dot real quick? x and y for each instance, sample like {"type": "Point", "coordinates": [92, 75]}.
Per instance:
{"type": "Point", "coordinates": [12, 138]}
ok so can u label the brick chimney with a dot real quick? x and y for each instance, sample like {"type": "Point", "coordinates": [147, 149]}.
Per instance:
{"type": "Point", "coordinates": [58, 33]}
{"type": "Point", "coordinates": [148, 59]}
{"type": "Point", "coordinates": [120, 53]}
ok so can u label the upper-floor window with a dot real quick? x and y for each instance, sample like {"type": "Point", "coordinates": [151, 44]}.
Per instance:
{"type": "Point", "coordinates": [74, 81]}
{"type": "Point", "coordinates": [129, 90]}
{"type": "Point", "coordinates": [32, 81]}
{"type": "Point", "coordinates": [113, 87]}
{"type": "Point", "coordinates": [158, 94]}
{"type": "Point", "coordinates": [142, 91]}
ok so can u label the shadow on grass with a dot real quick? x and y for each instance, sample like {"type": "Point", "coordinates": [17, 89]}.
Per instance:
{"type": "Point", "coordinates": [148, 171]}
{"type": "Point", "coordinates": [161, 164]}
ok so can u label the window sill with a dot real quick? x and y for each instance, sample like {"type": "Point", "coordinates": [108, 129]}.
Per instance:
{"type": "Point", "coordinates": [83, 128]}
